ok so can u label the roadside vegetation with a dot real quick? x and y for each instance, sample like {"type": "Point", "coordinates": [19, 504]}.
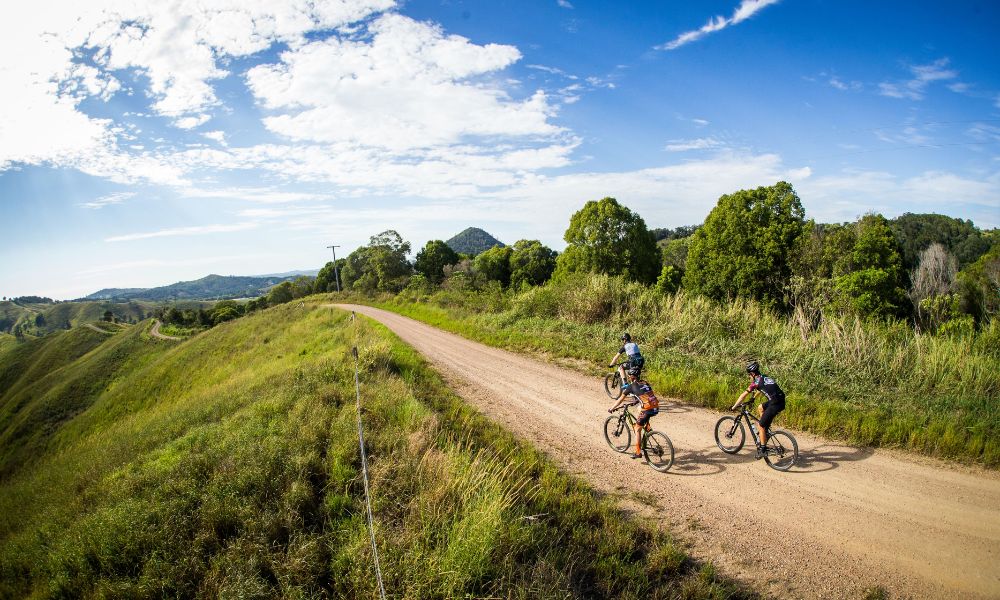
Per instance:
{"type": "Point", "coordinates": [227, 465]}
{"type": "Point", "coordinates": [883, 332]}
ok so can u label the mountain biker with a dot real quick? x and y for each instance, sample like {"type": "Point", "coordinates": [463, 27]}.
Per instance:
{"type": "Point", "coordinates": [639, 391]}
{"type": "Point", "coordinates": [635, 360]}
{"type": "Point", "coordinates": [768, 409]}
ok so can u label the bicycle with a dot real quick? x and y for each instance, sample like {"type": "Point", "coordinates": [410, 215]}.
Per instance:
{"type": "Point", "coordinates": [781, 450]}
{"type": "Point", "coordinates": [657, 448]}
{"type": "Point", "coordinates": [613, 381]}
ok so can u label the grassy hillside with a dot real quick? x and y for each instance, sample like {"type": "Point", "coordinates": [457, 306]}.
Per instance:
{"type": "Point", "coordinates": [63, 315]}
{"type": "Point", "coordinates": [226, 465]}
{"type": "Point", "coordinates": [881, 385]}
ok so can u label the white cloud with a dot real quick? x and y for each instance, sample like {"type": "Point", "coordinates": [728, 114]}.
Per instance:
{"type": "Point", "coordinates": [182, 231]}
{"type": "Point", "coordinates": [256, 195]}
{"type": "Point", "coordinates": [191, 122]}
{"type": "Point", "coordinates": [744, 11]}
{"type": "Point", "coordinates": [411, 87]}
{"type": "Point", "coordinates": [103, 201]}
{"type": "Point", "coordinates": [844, 86]}
{"type": "Point", "coordinates": [923, 76]}
{"type": "Point", "coordinates": [564, 4]}
{"type": "Point", "coordinates": [67, 52]}
{"type": "Point", "coordinates": [695, 144]}
{"type": "Point", "coordinates": [217, 136]}
{"type": "Point", "coordinates": [700, 122]}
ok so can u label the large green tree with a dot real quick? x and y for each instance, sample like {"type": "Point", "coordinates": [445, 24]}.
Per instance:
{"type": "Point", "coordinates": [606, 237]}
{"type": "Point", "coordinates": [870, 279]}
{"type": "Point", "coordinates": [494, 264]}
{"type": "Point", "coordinates": [432, 260]}
{"type": "Point", "coordinates": [531, 263]}
{"type": "Point", "coordinates": [326, 278]}
{"type": "Point", "coordinates": [744, 248]}
{"type": "Point", "coordinates": [916, 232]}
{"type": "Point", "coordinates": [381, 265]}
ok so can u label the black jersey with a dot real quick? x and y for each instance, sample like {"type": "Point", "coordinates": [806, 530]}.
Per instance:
{"type": "Point", "coordinates": [769, 387]}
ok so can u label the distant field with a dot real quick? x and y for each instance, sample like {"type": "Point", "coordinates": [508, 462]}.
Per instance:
{"type": "Point", "coordinates": [227, 465]}
{"type": "Point", "coordinates": [64, 315]}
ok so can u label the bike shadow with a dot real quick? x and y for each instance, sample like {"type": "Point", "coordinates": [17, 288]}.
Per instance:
{"type": "Point", "coordinates": [700, 463]}
{"type": "Point", "coordinates": [827, 457]}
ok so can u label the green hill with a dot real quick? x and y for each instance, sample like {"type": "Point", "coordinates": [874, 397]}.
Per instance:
{"type": "Point", "coordinates": [210, 287]}
{"type": "Point", "coordinates": [472, 241]}
{"type": "Point", "coordinates": [40, 319]}
{"type": "Point", "coordinates": [227, 465]}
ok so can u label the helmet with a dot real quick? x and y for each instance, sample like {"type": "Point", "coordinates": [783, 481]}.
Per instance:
{"type": "Point", "coordinates": [626, 337]}
{"type": "Point", "coordinates": [753, 367]}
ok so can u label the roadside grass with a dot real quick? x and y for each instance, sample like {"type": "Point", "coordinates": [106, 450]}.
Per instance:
{"type": "Point", "coordinates": [178, 331]}
{"type": "Point", "coordinates": [227, 466]}
{"type": "Point", "coordinates": [867, 384]}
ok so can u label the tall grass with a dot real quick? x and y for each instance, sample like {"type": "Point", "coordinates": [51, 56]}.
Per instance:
{"type": "Point", "coordinates": [879, 384]}
{"type": "Point", "coordinates": [227, 465]}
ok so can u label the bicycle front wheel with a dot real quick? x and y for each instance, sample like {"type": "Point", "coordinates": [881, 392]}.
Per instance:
{"type": "Point", "coordinates": [781, 450]}
{"type": "Point", "coordinates": [729, 435]}
{"type": "Point", "coordinates": [613, 385]}
{"type": "Point", "coordinates": [617, 433]}
{"type": "Point", "coordinates": [658, 450]}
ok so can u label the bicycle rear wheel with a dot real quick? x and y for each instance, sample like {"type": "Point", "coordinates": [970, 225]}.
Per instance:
{"type": "Point", "coordinates": [613, 385]}
{"type": "Point", "coordinates": [729, 435]}
{"type": "Point", "coordinates": [781, 450]}
{"type": "Point", "coordinates": [658, 450]}
{"type": "Point", "coordinates": [618, 433]}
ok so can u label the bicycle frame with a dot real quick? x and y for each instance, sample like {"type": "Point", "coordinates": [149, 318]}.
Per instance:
{"type": "Point", "coordinates": [745, 414]}
{"type": "Point", "coordinates": [629, 420]}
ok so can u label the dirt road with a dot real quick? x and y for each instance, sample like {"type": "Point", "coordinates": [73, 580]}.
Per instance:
{"type": "Point", "coordinates": [155, 332]}
{"type": "Point", "coordinates": [843, 520]}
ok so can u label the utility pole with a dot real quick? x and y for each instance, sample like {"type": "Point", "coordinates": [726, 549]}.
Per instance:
{"type": "Point", "coordinates": [336, 275]}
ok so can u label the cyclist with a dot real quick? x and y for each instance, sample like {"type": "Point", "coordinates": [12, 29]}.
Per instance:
{"type": "Point", "coordinates": [639, 391]}
{"type": "Point", "coordinates": [635, 360]}
{"type": "Point", "coordinates": [768, 409]}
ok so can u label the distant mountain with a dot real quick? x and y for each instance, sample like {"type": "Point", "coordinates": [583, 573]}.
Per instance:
{"type": "Point", "coordinates": [472, 241]}
{"type": "Point", "coordinates": [212, 287]}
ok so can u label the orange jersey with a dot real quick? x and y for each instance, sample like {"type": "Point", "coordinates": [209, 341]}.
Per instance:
{"type": "Point", "coordinates": [644, 392]}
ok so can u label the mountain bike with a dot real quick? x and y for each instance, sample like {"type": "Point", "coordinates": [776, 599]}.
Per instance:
{"type": "Point", "coordinates": [781, 450]}
{"type": "Point", "coordinates": [613, 381]}
{"type": "Point", "coordinates": [656, 446]}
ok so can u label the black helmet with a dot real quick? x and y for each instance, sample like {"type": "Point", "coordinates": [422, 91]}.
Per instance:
{"type": "Point", "coordinates": [626, 337]}
{"type": "Point", "coordinates": [753, 367]}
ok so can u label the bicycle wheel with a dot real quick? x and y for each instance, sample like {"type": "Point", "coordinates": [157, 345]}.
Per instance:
{"type": "Point", "coordinates": [729, 435]}
{"type": "Point", "coordinates": [658, 450]}
{"type": "Point", "coordinates": [613, 385]}
{"type": "Point", "coordinates": [781, 450]}
{"type": "Point", "coordinates": [618, 433]}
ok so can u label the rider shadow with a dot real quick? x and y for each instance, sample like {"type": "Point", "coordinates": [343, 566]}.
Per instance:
{"type": "Point", "coordinates": [675, 408]}
{"type": "Point", "coordinates": [827, 457]}
{"type": "Point", "coordinates": [699, 463]}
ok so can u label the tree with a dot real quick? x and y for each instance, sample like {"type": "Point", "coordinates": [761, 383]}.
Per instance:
{"type": "Point", "coordinates": [381, 265]}
{"type": "Point", "coordinates": [40, 320]}
{"type": "Point", "coordinates": [433, 258]}
{"type": "Point", "coordinates": [280, 293]}
{"type": "Point", "coordinates": [531, 263]}
{"type": "Point", "coordinates": [744, 249]}
{"type": "Point", "coordinates": [871, 281]}
{"type": "Point", "coordinates": [916, 232]}
{"type": "Point", "coordinates": [606, 237]}
{"type": "Point", "coordinates": [326, 278]}
{"type": "Point", "coordinates": [494, 264]}
{"type": "Point", "coordinates": [669, 280]}
{"type": "Point", "coordinates": [675, 252]}
{"type": "Point", "coordinates": [979, 286]}
{"type": "Point", "coordinates": [108, 316]}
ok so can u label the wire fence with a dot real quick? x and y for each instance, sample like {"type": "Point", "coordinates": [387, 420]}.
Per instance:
{"type": "Point", "coordinates": [364, 469]}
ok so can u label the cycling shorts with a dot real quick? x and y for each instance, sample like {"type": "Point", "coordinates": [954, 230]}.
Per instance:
{"type": "Point", "coordinates": [771, 410]}
{"type": "Point", "coordinates": [634, 365]}
{"type": "Point", "coordinates": [645, 415]}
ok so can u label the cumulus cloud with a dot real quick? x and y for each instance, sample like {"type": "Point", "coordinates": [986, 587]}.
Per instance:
{"type": "Point", "coordinates": [744, 11]}
{"type": "Point", "coordinates": [67, 55]}
{"type": "Point", "coordinates": [411, 86]}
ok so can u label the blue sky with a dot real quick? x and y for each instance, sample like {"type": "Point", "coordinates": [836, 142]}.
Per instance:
{"type": "Point", "coordinates": [142, 145]}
